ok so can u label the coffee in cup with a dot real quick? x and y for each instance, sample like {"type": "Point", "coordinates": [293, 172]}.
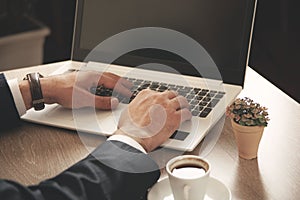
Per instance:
{"type": "Point", "coordinates": [188, 176]}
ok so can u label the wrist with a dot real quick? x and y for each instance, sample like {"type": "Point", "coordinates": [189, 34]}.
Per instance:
{"type": "Point", "coordinates": [25, 92]}
{"type": "Point", "coordinates": [141, 141]}
{"type": "Point", "coordinates": [47, 86]}
{"type": "Point", "coordinates": [127, 140]}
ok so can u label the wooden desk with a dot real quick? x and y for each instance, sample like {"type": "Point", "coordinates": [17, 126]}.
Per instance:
{"type": "Point", "coordinates": [32, 152]}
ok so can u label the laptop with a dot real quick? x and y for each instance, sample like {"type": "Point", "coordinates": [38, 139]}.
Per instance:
{"type": "Point", "coordinates": [150, 43]}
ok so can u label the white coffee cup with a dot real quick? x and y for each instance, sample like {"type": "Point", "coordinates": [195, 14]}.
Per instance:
{"type": "Point", "coordinates": [188, 176]}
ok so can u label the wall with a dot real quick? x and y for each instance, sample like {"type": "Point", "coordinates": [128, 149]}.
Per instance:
{"type": "Point", "coordinates": [275, 47]}
{"type": "Point", "coordinates": [58, 15]}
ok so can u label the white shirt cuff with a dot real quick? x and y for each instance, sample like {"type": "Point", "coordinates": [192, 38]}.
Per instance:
{"type": "Point", "coordinates": [127, 140]}
{"type": "Point", "coordinates": [16, 93]}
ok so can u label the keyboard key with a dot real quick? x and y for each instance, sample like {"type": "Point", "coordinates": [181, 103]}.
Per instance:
{"type": "Point", "coordinates": [195, 112]}
{"type": "Point", "coordinates": [190, 97]}
{"type": "Point", "coordinates": [202, 93]}
{"type": "Point", "coordinates": [196, 90]}
{"type": "Point", "coordinates": [189, 89]}
{"type": "Point", "coordinates": [179, 135]}
{"type": "Point", "coordinates": [131, 79]}
{"type": "Point", "coordinates": [164, 84]}
{"type": "Point", "coordinates": [205, 112]}
{"type": "Point", "coordinates": [93, 90]}
{"type": "Point", "coordinates": [182, 93]}
{"type": "Point", "coordinates": [219, 96]}
{"type": "Point", "coordinates": [101, 91]}
{"type": "Point", "coordinates": [206, 99]}
{"type": "Point", "coordinates": [198, 98]}
{"type": "Point", "coordinates": [147, 82]}
{"type": "Point", "coordinates": [194, 102]}
{"type": "Point", "coordinates": [162, 88]}
{"type": "Point", "coordinates": [213, 103]}
{"type": "Point", "coordinates": [202, 103]}
{"type": "Point", "coordinates": [192, 107]}
{"type": "Point", "coordinates": [145, 85]}
{"type": "Point", "coordinates": [138, 82]}
{"type": "Point", "coordinates": [174, 88]}
{"type": "Point", "coordinates": [199, 108]}
{"type": "Point", "coordinates": [211, 94]}
{"type": "Point", "coordinates": [125, 100]}
{"type": "Point", "coordinates": [154, 87]}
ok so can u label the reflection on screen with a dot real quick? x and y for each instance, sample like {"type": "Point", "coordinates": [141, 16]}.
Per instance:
{"type": "Point", "coordinates": [221, 27]}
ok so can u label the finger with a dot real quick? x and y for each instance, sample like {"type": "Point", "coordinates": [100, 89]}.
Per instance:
{"type": "Point", "coordinates": [143, 96]}
{"type": "Point", "coordinates": [123, 90]}
{"type": "Point", "coordinates": [126, 83]}
{"type": "Point", "coordinates": [117, 79]}
{"type": "Point", "coordinates": [106, 103]}
{"type": "Point", "coordinates": [147, 93]}
{"type": "Point", "coordinates": [179, 102]}
{"type": "Point", "coordinates": [170, 94]}
{"type": "Point", "coordinates": [112, 75]}
{"type": "Point", "coordinates": [119, 84]}
{"type": "Point", "coordinates": [83, 98]}
{"type": "Point", "coordinates": [108, 81]}
{"type": "Point", "coordinates": [185, 114]}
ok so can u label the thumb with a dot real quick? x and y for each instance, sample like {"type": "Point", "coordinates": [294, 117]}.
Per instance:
{"type": "Point", "coordinates": [185, 114]}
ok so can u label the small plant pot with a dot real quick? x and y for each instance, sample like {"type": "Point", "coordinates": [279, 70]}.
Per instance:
{"type": "Point", "coordinates": [247, 139]}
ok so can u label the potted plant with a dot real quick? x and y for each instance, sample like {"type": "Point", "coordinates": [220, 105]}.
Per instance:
{"type": "Point", "coordinates": [248, 120]}
{"type": "Point", "coordinates": [21, 35]}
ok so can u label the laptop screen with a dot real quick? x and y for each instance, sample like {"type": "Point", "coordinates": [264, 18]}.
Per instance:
{"type": "Point", "coordinates": [223, 28]}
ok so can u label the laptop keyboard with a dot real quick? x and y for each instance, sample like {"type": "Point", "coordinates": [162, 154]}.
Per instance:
{"type": "Point", "coordinates": [201, 101]}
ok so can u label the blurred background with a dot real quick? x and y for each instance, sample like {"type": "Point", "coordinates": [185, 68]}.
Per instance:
{"type": "Point", "coordinates": [275, 46]}
{"type": "Point", "coordinates": [275, 49]}
{"type": "Point", "coordinates": [35, 31]}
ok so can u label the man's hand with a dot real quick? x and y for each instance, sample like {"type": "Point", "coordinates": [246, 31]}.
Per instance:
{"type": "Point", "coordinates": [152, 117]}
{"type": "Point", "coordinates": [72, 90]}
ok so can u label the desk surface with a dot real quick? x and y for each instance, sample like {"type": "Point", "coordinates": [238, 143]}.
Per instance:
{"type": "Point", "coordinates": [32, 153]}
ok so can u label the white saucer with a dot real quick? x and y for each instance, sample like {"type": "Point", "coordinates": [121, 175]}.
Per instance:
{"type": "Point", "coordinates": [216, 190]}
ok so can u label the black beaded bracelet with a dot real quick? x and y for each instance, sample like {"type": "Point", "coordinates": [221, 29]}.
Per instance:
{"type": "Point", "coordinates": [36, 91]}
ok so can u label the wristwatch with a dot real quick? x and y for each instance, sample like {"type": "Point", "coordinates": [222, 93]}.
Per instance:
{"type": "Point", "coordinates": [36, 91]}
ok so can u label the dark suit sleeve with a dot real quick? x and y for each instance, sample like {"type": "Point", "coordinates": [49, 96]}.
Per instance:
{"type": "Point", "coordinates": [9, 114]}
{"type": "Point", "coordinates": [113, 171]}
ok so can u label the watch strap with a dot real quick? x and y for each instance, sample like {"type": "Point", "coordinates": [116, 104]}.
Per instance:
{"type": "Point", "coordinates": [36, 90]}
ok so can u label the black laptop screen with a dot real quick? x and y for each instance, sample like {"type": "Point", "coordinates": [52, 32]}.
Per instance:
{"type": "Point", "coordinates": [222, 27]}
